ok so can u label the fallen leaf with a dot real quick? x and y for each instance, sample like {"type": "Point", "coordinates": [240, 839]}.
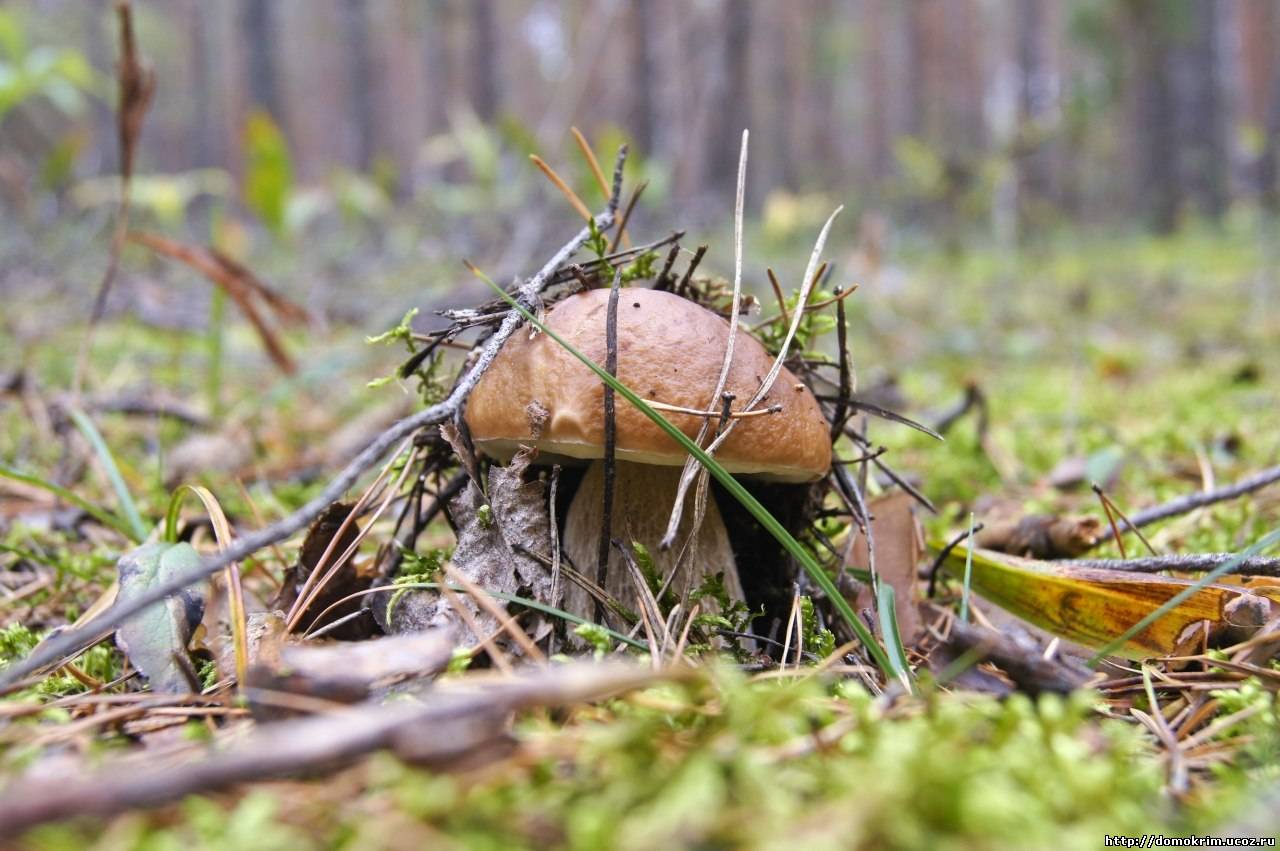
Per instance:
{"type": "Point", "coordinates": [1092, 606]}
{"type": "Point", "coordinates": [898, 547]}
{"type": "Point", "coordinates": [345, 582]}
{"type": "Point", "coordinates": [345, 672]}
{"type": "Point", "coordinates": [155, 639]}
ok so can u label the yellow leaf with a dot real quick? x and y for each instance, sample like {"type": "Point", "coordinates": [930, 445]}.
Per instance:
{"type": "Point", "coordinates": [1091, 606]}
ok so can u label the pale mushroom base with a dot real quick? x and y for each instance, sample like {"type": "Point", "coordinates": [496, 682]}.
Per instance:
{"type": "Point", "coordinates": [642, 500]}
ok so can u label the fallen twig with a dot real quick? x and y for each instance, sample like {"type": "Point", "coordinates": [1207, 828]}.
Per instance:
{"type": "Point", "coordinates": [1190, 502]}
{"type": "Point", "coordinates": [1033, 673]}
{"type": "Point", "coordinates": [1188, 563]}
{"type": "Point", "coordinates": [454, 722]}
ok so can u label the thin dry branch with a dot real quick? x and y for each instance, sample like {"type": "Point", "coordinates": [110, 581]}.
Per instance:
{"type": "Point", "coordinates": [1190, 502]}
{"type": "Point", "coordinates": [74, 640]}
{"type": "Point", "coordinates": [1189, 563]}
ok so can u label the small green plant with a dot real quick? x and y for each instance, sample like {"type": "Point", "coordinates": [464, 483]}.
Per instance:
{"type": "Point", "coordinates": [818, 640]}
{"type": "Point", "coordinates": [595, 636]}
{"type": "Point", "coordinates": [429, 371]}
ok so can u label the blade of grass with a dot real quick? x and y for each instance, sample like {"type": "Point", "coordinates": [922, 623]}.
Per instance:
{"type": "Point", "coordinates": [885, 604]}
{"type": "Point", "coordinates": [968, 575]}
{"type": "Point", "coordinates": [758, 511]}
{"type": "Point", "coordinates": [1208, 579]}
{"type": "Point", "coordinates": [127, 505]}
{"type": "Point", "coordinates": [106, 518]}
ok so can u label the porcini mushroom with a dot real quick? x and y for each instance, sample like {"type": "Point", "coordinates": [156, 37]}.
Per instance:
{"type": "Point", "coordinates": [670, 350]}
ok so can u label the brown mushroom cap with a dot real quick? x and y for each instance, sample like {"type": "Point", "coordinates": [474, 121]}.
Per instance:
{"type": "Point", "coordinates": [670, 350]}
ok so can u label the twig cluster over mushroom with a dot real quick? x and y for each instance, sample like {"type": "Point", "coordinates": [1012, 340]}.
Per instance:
{"type": "Point", "coordinates": [670, 351]}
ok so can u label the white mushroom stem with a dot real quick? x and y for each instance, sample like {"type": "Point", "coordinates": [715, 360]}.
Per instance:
{"type": "Point", "coordinates": [642, 498]}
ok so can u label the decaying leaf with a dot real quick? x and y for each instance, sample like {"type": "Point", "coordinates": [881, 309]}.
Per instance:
{"type": "Point", "coordinates": [1093, 606]}
{"type": "Point", "coordinates": [345, 582]}
{"type": "Point", "coordinates": [155, 640]}
{"type": "Point", "coordinates": [494, 542]}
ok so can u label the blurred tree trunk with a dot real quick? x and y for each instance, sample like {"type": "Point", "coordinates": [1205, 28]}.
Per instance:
{"type": "Point", "coordinates": [1259, 29]}
{"type": "Point", "coordinates": [484, 59]}
{"type": "Point", "coordinates": [435, 59]}
{"type": "Point", "coordinates": [1268, 165]}
{"type": "Point", "coordinates": [1203, 124]}
{"type": "Point", "coordinates": [962, 81]}
{"type": "Point", "coordinates": [203, 135]}
{"type": "Point", "coordinates": [1034, 103]}
{"type": "Point", "coordinates": [927, 71]}
{"type": "Point", "coordinates": [732, 111]}
{"type": "Point", "coordinates": [260, 31]}
{"type": "Point", "coordinates": [642, 83]}
{"type": "Point", "coordinates": [1155, 121]}
{"type": "Point", "coordinates": [355, 35]}
{"type": "Point", "coordinates": [876, 72]}
{"type": "Point", "coordinates": [821, 106]}
{"type": "Point", "coordinates": [782, 87]}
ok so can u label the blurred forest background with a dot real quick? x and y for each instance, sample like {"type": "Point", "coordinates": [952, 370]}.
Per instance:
{"type": "Point", "coordinates": [954, 116]}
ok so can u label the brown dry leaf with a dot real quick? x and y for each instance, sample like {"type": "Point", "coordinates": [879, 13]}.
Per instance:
{"type": "Point", "coordinates": [264, 633]}
{"type": "Point", "coordinates": [899, 545]}
{"type": "Point", "coordinates": [346, 581]}
{"type": "Point", "coordinates": [1092, 606]}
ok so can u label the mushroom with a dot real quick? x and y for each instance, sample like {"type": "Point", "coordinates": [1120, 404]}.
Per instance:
{"type": "Point", "coordinates": [670, 350]}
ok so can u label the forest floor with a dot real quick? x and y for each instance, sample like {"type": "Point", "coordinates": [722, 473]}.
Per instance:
{"type": "Point", "coordinates": [1152, 365]}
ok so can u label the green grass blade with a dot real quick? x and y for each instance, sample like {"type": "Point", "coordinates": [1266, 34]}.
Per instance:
{"type": "Point", "coordinates": [885, 604]}
{"type": "Point", "coordinates": [968, 575]}
{"type": "Point", "coordinates": [127, 505]}
{"type": "Point", "coordinates": [106, 518]}
{"type": "Point", "coordinates": [1173, 602]}
{"type": "Point", "coordinates": [758, 511]}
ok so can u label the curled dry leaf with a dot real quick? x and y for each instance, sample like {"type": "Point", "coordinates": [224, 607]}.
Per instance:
{"type": "Point", "coordinates": [155, 640]}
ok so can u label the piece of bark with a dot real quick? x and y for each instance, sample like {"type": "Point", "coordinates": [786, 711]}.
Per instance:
{"type": "Point", "coordinates": [1021, 661]}
{"type": "Point", "coordinates": [494, 537]}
